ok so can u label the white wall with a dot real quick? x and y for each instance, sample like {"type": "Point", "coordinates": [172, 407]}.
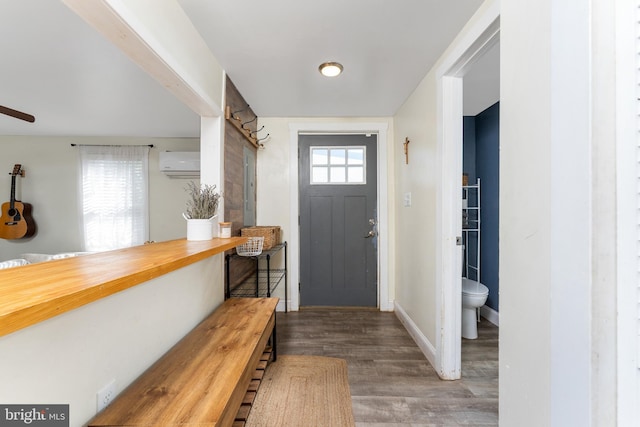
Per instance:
{"type": "Point", "coordinates": [525, 214]}
{"type": "Point", "coordinates": [415, 229]}
{"type": "Point", "coordinates": [622, 125]}
{"type": "Point", "coordinates": [558, 207]}
{"type": "Point", "coordinates": [69, 358]}
{"type": "Point", "coordinates": [417, 243]}
{"type": "Point", "coordinates": [50, 186]}
{"type": "Point", "coordinates": [275, 185]}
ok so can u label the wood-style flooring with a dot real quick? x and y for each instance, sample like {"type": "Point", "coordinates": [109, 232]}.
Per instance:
{"type": "Point", "coordinates": [392, 383]}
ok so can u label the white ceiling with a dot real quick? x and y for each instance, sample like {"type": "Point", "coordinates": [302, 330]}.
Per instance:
{"type": "Point", "coordinates": [481, 84]}
{"type": "Point", "coordinates": [57, 68]}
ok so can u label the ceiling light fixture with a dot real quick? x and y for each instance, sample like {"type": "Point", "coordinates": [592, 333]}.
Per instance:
{"type": "Point", "coordinates": [330, 69]}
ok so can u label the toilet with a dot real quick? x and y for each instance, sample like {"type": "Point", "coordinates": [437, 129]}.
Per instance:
{"type": "Point", "coordinates": [474, 295]}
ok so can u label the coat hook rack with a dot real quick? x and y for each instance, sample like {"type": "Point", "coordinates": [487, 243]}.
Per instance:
{"type": "Point", "coordinates": [239, 111]}
{"type": "Point", "coordinates": [250, 121]}
{"type": "Point", "coordinates": [248, 134]}
{"type": "Point", "coordinates": [265, 139]}
{"type": "Point", "coordinates": [255, 133]}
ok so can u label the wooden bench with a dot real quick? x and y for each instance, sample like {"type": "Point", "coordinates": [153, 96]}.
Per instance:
{"type": "Point", "coordinates": [203, 379]}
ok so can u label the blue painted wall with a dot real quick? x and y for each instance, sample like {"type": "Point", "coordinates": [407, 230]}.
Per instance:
{"type": "Point", "coordinates": [484, 136]}
{"type": "Point", "coordinates": [469, 148]}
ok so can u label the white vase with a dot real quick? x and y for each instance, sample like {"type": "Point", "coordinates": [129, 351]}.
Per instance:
{"type": "Point", "coordinates": [200, 229]}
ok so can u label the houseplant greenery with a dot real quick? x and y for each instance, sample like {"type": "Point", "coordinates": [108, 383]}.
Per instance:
{"type": "Point", "coordinates": [202, 207]}
{"type": "Point", "coordinates": [203, 201]}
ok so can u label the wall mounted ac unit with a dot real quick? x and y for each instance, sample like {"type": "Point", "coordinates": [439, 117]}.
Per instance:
{"type": "Point", "coordinates": [180, 164]}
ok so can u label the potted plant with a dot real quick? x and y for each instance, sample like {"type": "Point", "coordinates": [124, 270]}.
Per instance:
{"type": "Point", "coordinates": [202, 208]}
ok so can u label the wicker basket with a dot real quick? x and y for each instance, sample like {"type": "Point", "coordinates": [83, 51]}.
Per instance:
{"type": "Point", "coordinates": [270, 233]}
{"type": "Point", "coordinates": [253, 247]}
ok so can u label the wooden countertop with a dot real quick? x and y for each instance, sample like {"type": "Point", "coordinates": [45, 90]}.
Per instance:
{"type": "Point", "coordinates": [36, 292]}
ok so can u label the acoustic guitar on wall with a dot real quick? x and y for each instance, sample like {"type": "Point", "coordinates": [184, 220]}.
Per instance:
{"type": "Point", "coordinates": [16, 221]}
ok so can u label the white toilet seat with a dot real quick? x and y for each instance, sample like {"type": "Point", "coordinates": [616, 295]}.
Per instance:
{"type": "Point", "coordinates": [471, 287]}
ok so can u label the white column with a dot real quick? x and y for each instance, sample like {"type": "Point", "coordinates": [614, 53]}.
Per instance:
{"type": "Point", "coordinates": [212, 155]}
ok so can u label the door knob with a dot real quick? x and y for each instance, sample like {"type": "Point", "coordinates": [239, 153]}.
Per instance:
{"type": "Point", "coordinates": [371, 233]}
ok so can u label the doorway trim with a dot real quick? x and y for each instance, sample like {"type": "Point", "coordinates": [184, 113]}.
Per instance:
{"type": "Point", "coordinates": [483, 34]}
{"type": "Point", "coordinates": [379, 128]}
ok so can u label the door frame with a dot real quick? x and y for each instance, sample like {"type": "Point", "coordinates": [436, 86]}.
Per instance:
{"type": "Point", "coordinates": [484, 35]}
{"type": "Point", "coordinates": [385, 302]}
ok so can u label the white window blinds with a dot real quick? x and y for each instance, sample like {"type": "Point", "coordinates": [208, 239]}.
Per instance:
{"type": "Point", "coordinates": [113, 196]}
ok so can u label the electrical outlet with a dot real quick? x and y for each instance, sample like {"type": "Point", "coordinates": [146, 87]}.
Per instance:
{"type": "Point", "coordinates": [106, 395]}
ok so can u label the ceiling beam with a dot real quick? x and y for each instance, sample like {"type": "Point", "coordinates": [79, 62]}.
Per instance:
{"type": "Point", "coordinates": [159, 37]}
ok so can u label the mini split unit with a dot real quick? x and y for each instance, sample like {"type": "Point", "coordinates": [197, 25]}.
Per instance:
{"type": "Point", "coordinates": [180, 164]}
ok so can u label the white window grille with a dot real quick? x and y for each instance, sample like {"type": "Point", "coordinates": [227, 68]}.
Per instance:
{"type": "Point", "coordinates": [338, 165]}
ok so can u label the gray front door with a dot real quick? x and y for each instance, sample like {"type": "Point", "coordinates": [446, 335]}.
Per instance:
{"type": "Point", "coordinates": [338, 221]}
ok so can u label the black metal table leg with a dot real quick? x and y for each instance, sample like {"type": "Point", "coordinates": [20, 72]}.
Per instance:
{"type": "Point", "coordinates": [227, 293]}
{"type": "Point", "coordinates": [268, 275]}
{"type": "Point", "coordinates": [273, 338]}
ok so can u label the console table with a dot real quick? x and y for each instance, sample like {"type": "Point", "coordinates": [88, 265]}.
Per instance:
{"type": "Point", "coordinates": [265, 280]}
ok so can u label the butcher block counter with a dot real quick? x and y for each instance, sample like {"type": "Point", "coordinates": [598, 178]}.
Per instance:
{"type": "Point", "coordinates": [33, 293]}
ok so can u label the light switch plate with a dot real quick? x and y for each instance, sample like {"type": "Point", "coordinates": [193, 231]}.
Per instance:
{"type": "Point", "coordinates": [407, 200]}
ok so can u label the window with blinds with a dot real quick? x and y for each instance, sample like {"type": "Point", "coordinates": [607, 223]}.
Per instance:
{"type": "Point", "coordinates": [113, 196]}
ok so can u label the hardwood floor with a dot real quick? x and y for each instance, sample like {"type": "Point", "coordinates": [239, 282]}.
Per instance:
{"type": "Point", "coordinates": [392, 383]}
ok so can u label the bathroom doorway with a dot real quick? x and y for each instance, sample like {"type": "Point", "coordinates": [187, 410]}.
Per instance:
{"type": "Point", "coordinates": [481, 170]}
{"type": "Point", "coordinates": [480, 211]}
{"type": "Point", "coordinates": [449, 200]}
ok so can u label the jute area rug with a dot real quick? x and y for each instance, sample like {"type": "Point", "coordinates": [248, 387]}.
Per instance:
{"type": "Point", "coordinates": [303, 391]}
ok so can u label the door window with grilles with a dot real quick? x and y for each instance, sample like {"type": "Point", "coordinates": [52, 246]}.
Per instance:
{"type": "Point", "coordinates": [338, 165]}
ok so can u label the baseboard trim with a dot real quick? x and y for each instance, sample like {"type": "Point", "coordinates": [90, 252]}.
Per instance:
{"type": "Point", "coordinates": [421, 340]}
{"type": "Point", "coordinates": [490, 314]}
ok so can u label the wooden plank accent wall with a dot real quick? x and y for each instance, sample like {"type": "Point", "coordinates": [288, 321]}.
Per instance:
{"type": "Point", "coordinates": [234, 144]}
